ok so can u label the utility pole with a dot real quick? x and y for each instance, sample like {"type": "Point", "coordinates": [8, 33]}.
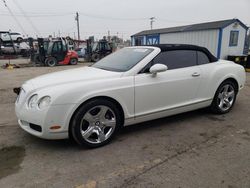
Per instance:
{"type": "Point", "coordinates": [78, 26]}
{"type": "Point", "coordinates": [109, 36]}
{"type": "Point", "coordinates": [152, 20]}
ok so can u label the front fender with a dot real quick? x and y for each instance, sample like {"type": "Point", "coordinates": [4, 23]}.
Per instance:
{"type": "Point", "coordinates": [119, 89]}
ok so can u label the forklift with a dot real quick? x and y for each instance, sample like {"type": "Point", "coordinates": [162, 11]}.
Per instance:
{"type": "Point", "coordinates": [54, 52]}
{"type": "Point", "coordinates": [97, 50]}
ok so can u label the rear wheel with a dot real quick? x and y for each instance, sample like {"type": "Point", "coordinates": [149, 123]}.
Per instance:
{"type": "Point", "coordinates": [73, 61]}
{"type": "Point", "coordinates": [95, 123]}
{"type": "Point", "coordinates": [224, 98]}
{"type": "Point", "coordinates": [51, 62]}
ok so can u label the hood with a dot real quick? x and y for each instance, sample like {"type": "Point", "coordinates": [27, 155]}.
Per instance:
{"type": "Point", "coordinates": [86, 74]}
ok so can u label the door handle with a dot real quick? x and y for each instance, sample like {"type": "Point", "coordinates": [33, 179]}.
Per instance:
{"type": "Point", "coordinates": [196, 74]}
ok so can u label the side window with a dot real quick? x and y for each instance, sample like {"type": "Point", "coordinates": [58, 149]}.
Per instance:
{"type": "Point", "coordinates": [55, 47]}
{"type": "Point", "coordinates": [107, 47]}
{"type": "Point", "coordinates": [177, 59]}
{"type": "Point", "coordinates": [59, 46]}
{"type": "Point", "coordinates": [202, 58]}
{"type": "Point", "coordinates": [64, 46]}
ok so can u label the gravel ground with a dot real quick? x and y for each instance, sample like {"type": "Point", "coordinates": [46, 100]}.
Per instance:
{"type": "Point", "coordinates": [195, 149]}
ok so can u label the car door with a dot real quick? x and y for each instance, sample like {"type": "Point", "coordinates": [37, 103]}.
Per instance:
{"type": "Point", "coordinates": [207, 68]}
{"type": "Point", "coordinates": [58, 51]}
{"type": "Point", "coordinates": [173, 88]}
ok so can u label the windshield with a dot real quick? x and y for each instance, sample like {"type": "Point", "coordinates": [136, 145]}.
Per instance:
{"type": "Point", "coordinates": [123, 60]}
{"type": "Point", "coordinates": [49, 47]}
{"type": "Point", "coordinates": [94, 48]}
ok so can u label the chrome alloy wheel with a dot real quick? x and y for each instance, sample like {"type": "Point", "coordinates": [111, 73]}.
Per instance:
{"type": "Point", "coordinates": [226, 97]}
{"type": "Point", "coordinates": [98, 124]}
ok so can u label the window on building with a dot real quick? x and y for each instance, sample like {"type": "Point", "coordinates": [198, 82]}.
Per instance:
{"type": "Point", "coordinates": [234, 36]}
{"type": "Point", "coordinates": [176, 59]}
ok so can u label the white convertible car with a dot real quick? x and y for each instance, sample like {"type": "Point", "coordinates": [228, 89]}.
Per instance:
{"type": "Point", "coordinates": [133, 85]}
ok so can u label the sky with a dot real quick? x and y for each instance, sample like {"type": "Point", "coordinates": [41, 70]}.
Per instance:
{"type": "Point", "coordinates": [122, 18]}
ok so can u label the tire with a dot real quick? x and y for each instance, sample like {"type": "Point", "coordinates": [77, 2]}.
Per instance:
{"type": "Point", "coordinates": [95, 57]}
{"type": "Point", "coordinates": [19, 39]}
{"type": "Point", "coordinates": [73, 61]}
{"type": "Point", "coordinates": [224, 98]}
{"type": "Point", "coordinates": [51, 62]}
{"type": "Point", "coordinates": [95, 123]}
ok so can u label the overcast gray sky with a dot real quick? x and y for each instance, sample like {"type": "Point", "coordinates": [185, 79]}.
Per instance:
{"type": "Point", "coordinates": [125, 17]}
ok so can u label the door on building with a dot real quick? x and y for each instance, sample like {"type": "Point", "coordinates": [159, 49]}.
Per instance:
{"type": "Point", "coordinates": [153, 39]}
{"type": "Point", "coordinates": [139, 41]}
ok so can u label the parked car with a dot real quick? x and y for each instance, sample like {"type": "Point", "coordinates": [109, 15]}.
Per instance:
{"type": "Point", "coordinates": [9, 49]}
{"type": "Point", "coordinates": [25, 49]}
{"type": "Point", "coordinates": [132, 85]}
{"type": "Point", "coordinates": [16, 37]}
{"type": "Point", "coordinates": [18, 49]}
{"type": "Point", "coordinates": [80, 52]}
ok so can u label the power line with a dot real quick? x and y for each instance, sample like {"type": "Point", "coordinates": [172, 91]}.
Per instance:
{"type": "Point", "coordinates": [111, 18]}
{"type": "Point", "coordinates": [13, 16]}
{"type": "Point", "coordinates": [37, 15]}
{"type": "Point", "coordinates": [172, 21]}
{"type": "Point", "coordinates": [27, 18]}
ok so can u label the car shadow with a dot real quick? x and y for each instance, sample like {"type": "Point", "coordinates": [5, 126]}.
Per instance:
{"type": "Point", "coordinates": [167, 122]}
{"type": "Point", "coordinates": [170, 121]}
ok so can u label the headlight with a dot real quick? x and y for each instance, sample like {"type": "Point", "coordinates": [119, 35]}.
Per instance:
{"type": "Point", "coordinates": [44, 102]}
{"type": "Point", "coordinates": [33, 101]}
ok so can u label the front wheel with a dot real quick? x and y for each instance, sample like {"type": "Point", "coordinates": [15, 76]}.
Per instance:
{"type": "Point", "coordinates": [224, 98]}
{"type": "Point", "coordinates": [51, 62]}
{"type": "Point", "coordinates": [73, 61]}
{"type": "Point", "coordinates": [95, 123]}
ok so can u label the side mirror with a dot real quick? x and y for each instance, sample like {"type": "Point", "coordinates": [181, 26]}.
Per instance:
{"type": "Point", "coordinates": [158, 68]}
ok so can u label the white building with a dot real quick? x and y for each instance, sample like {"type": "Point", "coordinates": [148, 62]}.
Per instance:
{"type": "Point", "coordinates": [222, 38]}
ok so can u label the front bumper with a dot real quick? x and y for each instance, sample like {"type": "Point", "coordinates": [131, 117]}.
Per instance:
{"type": "Point", "coordinates": [43, 134]}
{"type": "Point", "coordinates": [38, 122]}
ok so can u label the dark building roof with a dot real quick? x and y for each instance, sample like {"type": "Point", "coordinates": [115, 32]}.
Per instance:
{"type": "Point", "coordinates": [193, 27]}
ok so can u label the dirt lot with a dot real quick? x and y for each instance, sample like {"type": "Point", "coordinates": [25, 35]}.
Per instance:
{"type": "Point", "coordinates": [195, 149]}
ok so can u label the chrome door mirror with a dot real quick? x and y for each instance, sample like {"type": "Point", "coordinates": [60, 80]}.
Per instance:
{"type": "Point", "coordinates": [158, 68]}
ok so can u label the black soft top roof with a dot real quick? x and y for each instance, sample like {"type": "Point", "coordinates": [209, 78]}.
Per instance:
{"type": "Point", "coordinates": [170, 47]}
